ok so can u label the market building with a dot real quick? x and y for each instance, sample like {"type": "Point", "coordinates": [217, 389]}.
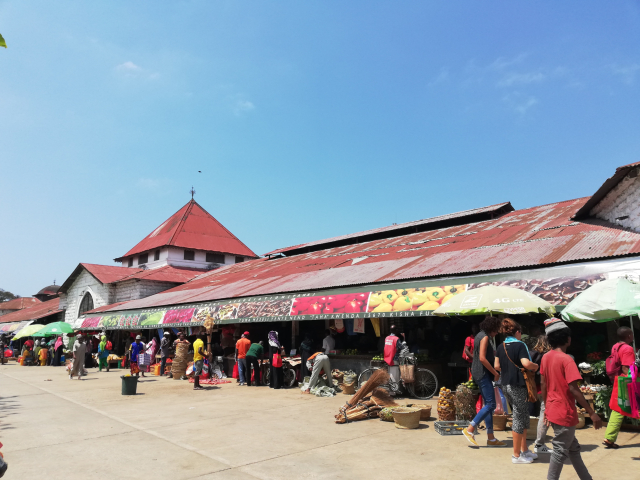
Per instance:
{"type": "Point", "coordinates": [16, 304]}
{"type": "Point", "coordinates": [554, 251]}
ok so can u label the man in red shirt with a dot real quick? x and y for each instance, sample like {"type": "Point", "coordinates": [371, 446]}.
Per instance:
{"type": "Point", "coordinates": [627, 358]}
{"type": "Point", "coordinates": [242, 347]}
{"type": "Point", "coordinates": [560, 391]}
{"type": "Point", "coordinates": [467, 353]}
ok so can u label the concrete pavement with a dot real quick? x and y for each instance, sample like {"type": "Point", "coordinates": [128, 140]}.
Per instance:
{"type": "Point", "coordinates": [70, 429]}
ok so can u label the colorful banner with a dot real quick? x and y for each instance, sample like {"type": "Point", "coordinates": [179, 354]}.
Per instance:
{"type": "Point", "coordinates": [413, 299]}
{"type": "Point", "coordinates": [14, 326]}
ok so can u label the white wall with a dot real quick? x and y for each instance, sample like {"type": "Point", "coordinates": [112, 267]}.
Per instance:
{"type": "Point", "coordinates": [136, 289]}
{"type": "Point", "coordinates": [175, 256]}
{"type": "Point", "coordinates": [102, 295]}
{"type": "Point", "coordinates": [623, 200]}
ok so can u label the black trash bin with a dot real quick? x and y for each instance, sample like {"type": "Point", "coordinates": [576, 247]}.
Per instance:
{"type": "Point", "coordinates": [129, 385]}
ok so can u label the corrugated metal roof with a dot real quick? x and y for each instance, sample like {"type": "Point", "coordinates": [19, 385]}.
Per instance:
{"type": "Point", "coordinates": [192, 227]}
{"type": "Point", "coordinates": [40, 310]}
{"type": "Point", "coordinates": [402, 228]}
{"type": "Point", "coordinates": [167, 273]}
{"type": "Point", "coordinates": [19, 303]}
{"type": "Point", "coordinates": [538, 236]}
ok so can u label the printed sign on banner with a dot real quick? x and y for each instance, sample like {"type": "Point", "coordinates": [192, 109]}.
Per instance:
{"type": "Point", "coordinates": [358, 325]}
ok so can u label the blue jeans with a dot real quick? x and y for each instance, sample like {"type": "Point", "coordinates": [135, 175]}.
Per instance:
{"type": "Point", "coordinates": [242, 368]}
{"type": "Point", "coordinates": [486, 413]}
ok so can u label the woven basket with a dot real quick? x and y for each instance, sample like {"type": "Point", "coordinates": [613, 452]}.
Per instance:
{"type": "Point", "coordinates": [407, 418]}
{"type": "Point", "coordinates": [348, 388]}
{"type": "Point", "coordinates": [386, 414]}
{"type": "Point", "coordinates": [581, 422]}
{"type": "Point", "coordinates": [532, 432]}
{"type": "Point", "coordinates": [407, 373]}
{"type": "Point", "coordinates": [500, 423]}
{"type": "Point", "coordinates": [424, 408]}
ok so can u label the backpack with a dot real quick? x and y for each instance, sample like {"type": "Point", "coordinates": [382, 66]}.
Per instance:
{"type": "Point", "coordinates": [109, 346]}
{"type": "Point", "coordinates": [613, 364]}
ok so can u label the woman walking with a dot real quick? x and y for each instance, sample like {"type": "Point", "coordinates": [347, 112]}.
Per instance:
{"type": "Point", "coordinates": [513, 356]}
{"type": "Point", "coordinates": [57, 356]}
{"type": "Point", "coordinates": [539, 350]}
{"type": "Point", "coordinates": [276, 375]}
{"type": "Point", "coordinates": [484, 374]}
{"type": "Point", "coordinates": [103, 354]}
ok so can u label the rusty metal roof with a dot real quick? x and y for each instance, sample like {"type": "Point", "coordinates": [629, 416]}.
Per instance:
{"type": "Point", "coordinates": [192, 227]}
{"type": "Point", "coordinates": [39, 310]}
{"type": "Point", "coordinates": [457, 218]}
{"type": "Point", "coordinates": [529, 238]}
{"type": "Point", "coordinates": [19, 303]}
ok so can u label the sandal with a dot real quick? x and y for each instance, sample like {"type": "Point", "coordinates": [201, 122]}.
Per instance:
{"type": "Point", "coordinates": [608, 444]}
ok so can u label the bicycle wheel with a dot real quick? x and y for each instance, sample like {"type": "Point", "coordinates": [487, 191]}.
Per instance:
{"type": "Point", "coordinates": [289, 377]}
{"type": "Point", "coordinates": [365, 375]}
{"type": "Point", "coordinates": [266, 376]}
{"type": "Point", "coordinates": [425, 384]}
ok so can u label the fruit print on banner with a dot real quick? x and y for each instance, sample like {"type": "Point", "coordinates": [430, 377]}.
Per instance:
{"type": "Point", "coordinates": [91, 322]}
{"type": "Point", "coordinates": [327, 304]}
{"type": "Point", "coordinates": [151, 318]}
{"type": "Point", "coordinates": [178, 316]}
{"type": "Point", "coordinates": [412, 299]}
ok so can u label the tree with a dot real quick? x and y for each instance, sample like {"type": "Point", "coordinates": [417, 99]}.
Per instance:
{"type": "Point", "coordinates": [6, 296]}
{"type": "Point", "coordinates": [2, 42]}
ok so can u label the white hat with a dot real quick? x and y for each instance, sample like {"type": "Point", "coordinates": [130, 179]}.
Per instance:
{"type": "Point", "coordinates": [138, 337]}
{"type": "Point", "coordinates": [167, 333]}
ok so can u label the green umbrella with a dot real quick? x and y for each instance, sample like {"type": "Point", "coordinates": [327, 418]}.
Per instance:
{"type": "Point", "coordinates": [28, 331]}
{"type": "Point", "coordinates": [55, 328]}
{"type": "Point", "coordinates": [493, 299]}
{"type": "Point", "coordinates": [605, 301]}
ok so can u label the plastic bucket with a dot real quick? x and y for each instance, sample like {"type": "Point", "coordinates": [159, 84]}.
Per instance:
{"type": "Point", "coordinates": [129, 385]}
{"type": "Point", "coordinates": [156, 369]}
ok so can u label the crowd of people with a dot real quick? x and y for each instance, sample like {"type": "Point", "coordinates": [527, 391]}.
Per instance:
{"type": "Point", "coordinates": [544, 376]}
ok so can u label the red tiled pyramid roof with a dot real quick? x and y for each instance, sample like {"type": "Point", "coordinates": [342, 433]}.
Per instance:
{"type": "Point", "coordinates": [192, 227]}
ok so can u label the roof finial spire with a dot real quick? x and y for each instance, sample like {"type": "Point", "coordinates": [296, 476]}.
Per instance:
{"type": "Point", "coordinates": [192, 192]}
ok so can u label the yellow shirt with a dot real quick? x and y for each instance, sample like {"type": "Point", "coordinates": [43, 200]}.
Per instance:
{"type": "Point", "coordinates": [197, 345]}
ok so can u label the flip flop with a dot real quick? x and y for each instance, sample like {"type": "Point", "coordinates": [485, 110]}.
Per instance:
{"type": "Point", "coordinates": [610, 445]}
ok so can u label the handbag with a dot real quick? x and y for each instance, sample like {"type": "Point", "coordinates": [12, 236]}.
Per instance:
{"type": "Point", "coordinates": [529, 378]}
{"type": "Point", "coordinates": [277, 360]}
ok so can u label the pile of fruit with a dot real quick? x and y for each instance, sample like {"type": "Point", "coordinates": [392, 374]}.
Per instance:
{"type": "Point", "coordinates": [471, 385]}
{"type": "Point", "coordinates": [446, 405]}
{"type": "Point", "coordinates": [465, 403]}
{"type": "Point", "coordinates": [378, 358]}
{"type": "Point", "coordinates": [350, 351]}
{"type": "Point", "coordinates": [592, 388]}
{"type": "Point", "coordinates": [422, 358]}
{"type": "Point", "coordinates": [582, 411]}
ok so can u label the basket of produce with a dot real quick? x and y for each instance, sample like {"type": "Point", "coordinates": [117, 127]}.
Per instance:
{"type": "Point", "coordinates": [386, 414]}
{"type": "Point", "coordinates": [377, 361]}
{"type": "Point", "coordinates": [425, 410]}
{"type": "Point", "coordinates": [582, 415]}
{"type": "Point", "coordinates": [406, 418]}
{"type": "Point", "coordinates": [446, 405]}
{"type": "Point", "coordinates": [338, 375]}
{"type": "Point", "coordinates": [465, 403]}
{"type": "Point", "coordinates": [451, 428]}
{"type": "Point", "coordinates": [500, 422]}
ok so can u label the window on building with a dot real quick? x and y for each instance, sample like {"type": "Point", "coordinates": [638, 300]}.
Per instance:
{"type": "Point", "coordinates": [131, 262]}
{"type": "Point", "coordinates": [156, 255]}
{"type": "Point", "coordinates": [86, 304]}
{"type": "Point", "coordinates": [239, 259]}
{"type": "Point", "coordinates": [215, 257]}
{"type": "Point", "coordinates": [143, 258]}
{"type": "Point", "coordinates": [189, 255]}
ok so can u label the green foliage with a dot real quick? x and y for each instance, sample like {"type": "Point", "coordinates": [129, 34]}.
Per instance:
{"type": "Point", "coordinates": [601, 402]}
{"type": "Point", "coordinates": [5, 296]}
{"type": "Point", "coordinates": [2, 42]}
{"type": "Point", "coordinates": [599, 369]}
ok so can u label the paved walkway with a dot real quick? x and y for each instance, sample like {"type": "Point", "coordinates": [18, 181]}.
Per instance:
{"type": "Point", "coordinates": [85, 429]}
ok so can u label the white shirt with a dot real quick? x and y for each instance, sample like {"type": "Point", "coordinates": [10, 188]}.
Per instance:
{"type": "Point", "coordinates": [329, 343]}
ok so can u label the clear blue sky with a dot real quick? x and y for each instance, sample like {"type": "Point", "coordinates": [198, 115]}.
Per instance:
{"type": "Point", "coordinates": [307, 119]}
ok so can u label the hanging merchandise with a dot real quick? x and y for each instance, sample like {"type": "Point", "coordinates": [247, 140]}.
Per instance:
{"type": "Point", "coordinates": [376, 325]}
{"type": "Point", "coordinates": [348, 323]}
{"type": "Point", "coordinates": [358, 325]}
{"type": "Point", "coordinates": [339, 324]}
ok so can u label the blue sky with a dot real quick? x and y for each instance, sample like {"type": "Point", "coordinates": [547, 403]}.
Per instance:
{"type": "Point", "coordinates": [307, 119]}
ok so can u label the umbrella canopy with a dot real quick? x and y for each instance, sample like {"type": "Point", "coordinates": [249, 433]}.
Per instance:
{"type": "Point", "coordinates": [55, 328]}
{"type": "Point", "coordinates": [493, 299]}
{"type": "Point", "coordinates": [28, 331]}
{"type": "Point", "coordinates": [604, 301]}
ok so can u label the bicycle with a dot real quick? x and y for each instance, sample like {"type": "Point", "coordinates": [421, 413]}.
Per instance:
{"type": "Point", "coordinates": [290, 374]}
{"type": "Point", "coordinates": [424, 386]}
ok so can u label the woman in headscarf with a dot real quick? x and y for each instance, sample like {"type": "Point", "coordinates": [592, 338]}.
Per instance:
{"type": "Point", "coordinates": [103, 354]}
{"type": "Point", "coordinates": [57, 348]}
{"type": "Point", "coordinates": [36, 352]}
{"type": "Point", "coordinates": [306, 350]}
{"type": "Point", "coordinates": [276, 375]}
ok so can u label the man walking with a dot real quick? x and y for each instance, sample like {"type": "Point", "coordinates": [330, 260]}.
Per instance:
{"type": "Point", "coordinates": [198, 361]}
{"type": "Point", "coordinates": [136, 349]}
{"type": "Point", "coordinates": [255, 352]}
{"type": "Point", "coordinates": [79, 350]}
{"type": "Point", "coordinates": [165, 350]}
{"type": "Point", "coordinates": [560, 391]}
{"type": "Point", "coordinates": [242, 347]}
{"type": "Point", "coordinates": [623, 357]}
